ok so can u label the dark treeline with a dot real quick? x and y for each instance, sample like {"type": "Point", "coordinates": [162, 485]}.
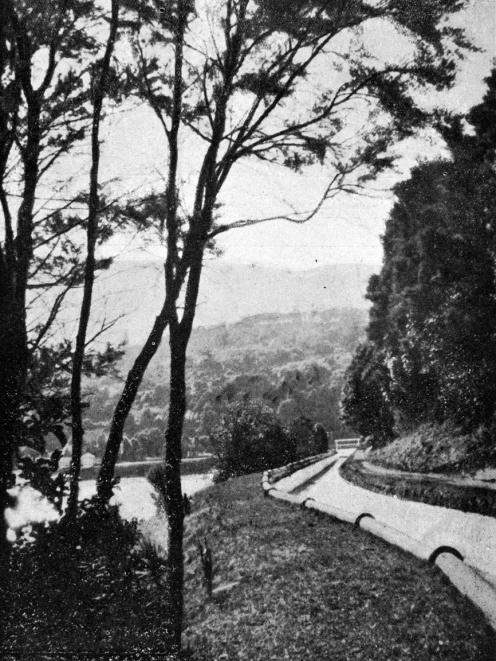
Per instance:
{"type": "Point", "coordinates": [430, 355]}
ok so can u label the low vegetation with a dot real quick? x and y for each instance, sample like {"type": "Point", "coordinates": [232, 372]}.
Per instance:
{"type": "Point", "coordinates": [90, 590]}
{"type": "Point", "coordinates": [291, 585]}
{"type": "Point", "coordinates": [441, 448]}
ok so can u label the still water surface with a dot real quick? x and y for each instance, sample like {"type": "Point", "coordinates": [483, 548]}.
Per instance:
{"type": "Point", "coordinates": [133, 494]}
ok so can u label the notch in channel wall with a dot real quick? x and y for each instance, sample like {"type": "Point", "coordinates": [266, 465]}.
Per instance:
{"type": "Point", "coordinates": [445, 549]}
{"type": "Point", "coordinates": [364, 515]}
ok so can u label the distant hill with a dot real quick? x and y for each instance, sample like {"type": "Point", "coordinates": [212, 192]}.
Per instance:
{"type": "Point", "coordinates": [293, 362]}
{"type": "Point", "coordinates": [132, 293]}
{"type": "Point", "coordinates": [229, 292]}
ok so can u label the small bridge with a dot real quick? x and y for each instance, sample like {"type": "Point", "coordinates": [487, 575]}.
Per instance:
{"type": "Point", "coordinates": [346, 446]}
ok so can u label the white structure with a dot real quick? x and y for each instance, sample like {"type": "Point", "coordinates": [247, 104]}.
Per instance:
{"type": "Point", "coordinates": [65, 457]}
{"type": "Point", "coordinates": [87, 460]}
{"type": "Point", "coordinates": [346, 446]}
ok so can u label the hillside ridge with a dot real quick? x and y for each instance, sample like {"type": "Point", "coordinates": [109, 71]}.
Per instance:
{"type": "Point", "coordinates": [229, 293]}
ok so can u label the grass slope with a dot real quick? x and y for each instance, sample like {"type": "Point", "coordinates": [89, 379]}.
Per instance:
{"type": "Point", "coordinates": [313, 588]}
{"type": "Point", "coordinates": [439, 448]}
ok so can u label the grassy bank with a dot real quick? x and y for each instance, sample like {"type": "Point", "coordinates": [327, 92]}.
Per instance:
{"type": "Point", "coordinates": [307, 587]}
{"type": "Point", "coordinates": [439, 448]}
{"type": "Point", "coordinates": [422, 489]}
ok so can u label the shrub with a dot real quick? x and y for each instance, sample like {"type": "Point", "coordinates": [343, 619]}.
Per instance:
{"type": "Point", "coordinates": [307, 439]}
{"type": "Point", "coordinates": [249, 438]}
{"type": "Point", "coordinates": [320, 439]}
{"type": "Point", "coordinates": [42, 475]}
{"type": "Point", "coordinates": [87, 589]}
{"type": "Point", "coordinates": [97, 554]}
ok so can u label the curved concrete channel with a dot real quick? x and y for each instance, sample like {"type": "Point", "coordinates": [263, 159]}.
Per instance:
{"type": "Point", "coordinates": [462, 544]}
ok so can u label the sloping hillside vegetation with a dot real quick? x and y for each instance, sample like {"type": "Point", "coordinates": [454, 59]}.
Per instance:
{"type": "Point", "coordinates": [294, 363]}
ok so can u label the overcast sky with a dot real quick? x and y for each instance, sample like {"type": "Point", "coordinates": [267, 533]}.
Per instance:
{"type": "Point", "coordinates": [346, 230]}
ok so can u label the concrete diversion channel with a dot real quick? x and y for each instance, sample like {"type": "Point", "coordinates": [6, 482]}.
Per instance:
{"type": "Point", "coordinates": [475, 579]}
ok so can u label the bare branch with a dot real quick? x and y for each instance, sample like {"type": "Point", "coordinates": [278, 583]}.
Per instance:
{"type": "Point", "coordinates": [50, 70]}
{"type": "Point", "coordinates": [52, 316]}
{"type": "Point", "coordinates": [299, 217]}
{"type": "Point", "coordinates": [206, 99]}
{"type": "Point", "coordinates": [104, 327]}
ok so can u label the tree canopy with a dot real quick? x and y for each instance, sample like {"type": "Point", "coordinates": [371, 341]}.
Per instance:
{"type": "Point", "coordinates": [433, 304]}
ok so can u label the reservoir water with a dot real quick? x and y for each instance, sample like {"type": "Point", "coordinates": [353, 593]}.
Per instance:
{"type": "Point", "coordinates": [133, 495]}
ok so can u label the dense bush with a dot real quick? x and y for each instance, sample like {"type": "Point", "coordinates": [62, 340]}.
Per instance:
{"type": "Point", "coordinates": [91, 587]}
{"type": "Point", "coordinates": [42, 475]}
{"type": "Point", "coordinates": [156, 477]}
{"type": "Point", "coordinates": [249, 438]}
{"type": "Point", "coordinates": [99, 534]}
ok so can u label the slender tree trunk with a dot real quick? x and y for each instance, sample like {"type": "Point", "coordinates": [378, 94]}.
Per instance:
{"type": "Point", "coordinates": [174, 499]}
{"type": "Point", "coordinates": [10, 337]}
{"type": "Point", "coordinates": [89, 273]}
{"type": "Point", "coordinates": [15, 258]}
{"type": "Point", "coordinates": [77, 367]}
{"type": "Point", "coordinates": [180, 334]}
{"type": "Point", "coordinates": [10, 341]}
{"type": "Point", "coordinates": [129, 392]}
{"type": "Point", "coordinates": [174, 278]}
{"type": "Point", "coordinates": [123, 407]}
{"type": "Point", "coordinates": [13, 334]}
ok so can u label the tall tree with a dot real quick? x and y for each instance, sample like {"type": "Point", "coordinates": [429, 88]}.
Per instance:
{"type": "Point", "coordinates": [292, 84]}
{"type": "Point", "coordinates": [41, 117]}
{"type": "Point", "coordinates": [431, 322]}
{"type": "Point", "coordinates": [100, 85]}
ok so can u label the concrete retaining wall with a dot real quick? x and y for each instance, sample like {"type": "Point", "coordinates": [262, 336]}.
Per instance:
{"type": "Point", "coordinates": [276, 474]}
